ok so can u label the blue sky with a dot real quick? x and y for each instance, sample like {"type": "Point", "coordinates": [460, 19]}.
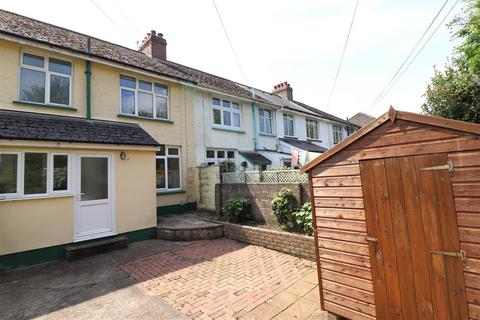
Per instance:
{"type": "Point", "coordinates": [295, 41]}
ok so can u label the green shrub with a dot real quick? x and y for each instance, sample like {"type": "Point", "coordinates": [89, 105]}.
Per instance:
{"type": "Point", "coordinates": [283, 207]}
{"type": "Point", "coordinates": [236, 210]}
{"type": "Point", "coordinates": [303, 219]}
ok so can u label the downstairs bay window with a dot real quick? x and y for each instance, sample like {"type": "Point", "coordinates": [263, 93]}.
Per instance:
{"type": "Point", "coordinates": [168, 174]}
{"type": "Point", "coordinates": [30, 174]}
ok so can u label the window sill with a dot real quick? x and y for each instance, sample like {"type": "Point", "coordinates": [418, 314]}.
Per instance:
{"type": "Point", "coordinates": [121, 115]}
{"type": "Point", "coordinates": [227, 129]}
{"type": "Point", "coordinates": [160, 192]}
{"type": "Point", "coordinates": [35, 197]}
{"type": "Point", "coordinates": [290, 137]}
{"type": "Point", "coordinates": [266, 134]}
{"type": "Point", "coordinates": [36, 104]}
{"type": "Point", "coordinates": [314, 140]}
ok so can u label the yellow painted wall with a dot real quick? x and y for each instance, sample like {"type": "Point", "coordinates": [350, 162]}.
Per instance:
{"type": "Point", "coordinates": [27, 224]}
{"type": "Point", "coordinates": [106, 106]}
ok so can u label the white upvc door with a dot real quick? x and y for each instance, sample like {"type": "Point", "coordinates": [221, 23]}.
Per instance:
{"type": "Point", "coordinates": [95, 212]}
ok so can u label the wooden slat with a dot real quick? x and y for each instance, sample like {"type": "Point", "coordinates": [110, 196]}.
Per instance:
{"type": "Point", "coordinates": [402, 243]}
{"type": "Point", "coordinates": [404, 137]}
{"type": "Point", "coordinates": [465, 159]}
{"type": "Point", "coordinates": [350, 225]}
{"type": "Point", "coordinates": [474, 311]}
{"type": "Point", "coordinates": [349, 291]}
{"type": "Point", "coordinates": [467, 204]}
{"type": "Point", "coordinates": [345, 312]}
{"type": "Point", "coordinates": [349, 269]}
{"type": "Point", "coordinates": [468, 219]}
{"type": "Point", "coordinates": [350, 303]}
{"type": "Point", "coordinates": [352, 192]}
{"type": "Point", "coordinates": [473, 296]}
{"type": "Point", "coordinates": [374, 248]}
{"type": "Point", "coordinates": [344, 246]}
{"type": "Point", "coordinates": [471, 280]}
{"type": "Point", "coordinates": [466, 174]}
{"type": "Point", "coordinates": [418, 250]}
{"type": "Point", "coordinates": [472, 250]}
{"type": "Point", "coordinates": [469, 234]}
{"type": "Point", "coordinates": [348, 203]}
{"type": "Point", "coordinates": [473, 265]}
{"type": "Point", "coordinates": [336, 234]}
{"type": "Point", "coordinates": [449, 229]}
{"type": "Point", "coordinates": [348, 280]}
{"type": "Point", "coordinates": [348, 181]}
{"type": "Point", "coordinates": [335, 171]}
{"type": "Point", "coordinates": [354, 259]}
{"type": "Point", "coordinates": [351, 214]}
{"type": "Point", "coordinates": [464, 189]}
{"type": "Point", "coordinates": [438, 278]}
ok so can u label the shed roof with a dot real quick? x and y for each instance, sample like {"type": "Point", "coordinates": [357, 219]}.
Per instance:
{"type": "Point", "coordinates": [19, 125]}
{"type": "Point", "coordinates": [393, 115]}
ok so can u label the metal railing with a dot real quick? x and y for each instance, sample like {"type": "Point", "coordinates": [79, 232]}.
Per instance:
{"type": "Point", "coordinates": [274, 176]}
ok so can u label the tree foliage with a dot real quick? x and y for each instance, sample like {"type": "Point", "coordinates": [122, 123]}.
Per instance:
{"type": "Point", "coordinates": [455, 91]}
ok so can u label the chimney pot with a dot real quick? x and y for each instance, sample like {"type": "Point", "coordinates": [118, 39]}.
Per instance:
{"type": "Point", "coordinates": [283, 90]}
{"type": "Point", "coordinates": [154, 45]}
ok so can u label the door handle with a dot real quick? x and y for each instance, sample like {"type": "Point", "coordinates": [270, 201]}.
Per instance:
{"type": "Point", "coordinates": [462, 254]}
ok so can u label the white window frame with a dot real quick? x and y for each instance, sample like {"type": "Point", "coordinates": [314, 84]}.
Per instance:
{"type": "Point", "coordinates": [152, 92]}
{"type": "Point", "coordinates": [231, 110]}
{"type": "Point", "coordinates": [337, 133]}
{"type": "Point", "coordinates": [165, 159]}
{"type": "Point", "coordinates": [49, 183]}
{"type": "Point", "coordinates": [312, 122]}
{"type": "Point", "coordinates": [48, 74]}
{"type": "Point", "coordinates": [288, 117]}
{"type": "Point", "coordinates": [264, 120]}
{"type": "Point", "coordinates": [218, 160]}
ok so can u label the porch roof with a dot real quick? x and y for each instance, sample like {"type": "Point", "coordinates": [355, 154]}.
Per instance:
{"type": "Point", "coordinates": [255, 157]}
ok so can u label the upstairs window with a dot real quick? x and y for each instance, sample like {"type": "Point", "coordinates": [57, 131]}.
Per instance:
{"type": "Point", "coordinates": [143, 98]}
{"type": "Point", "coordinates": [288, 125]}
{"type": "Point", "coordinates": [45, 80]}
{"type": "Point", "coordinates": [312, 129]}
{"type": "Point", "coordinates": [226, 113]}
{"type": "Point", "coordinates": [265, 121]}
{"type": "Point", "coordinates": [337, 133]}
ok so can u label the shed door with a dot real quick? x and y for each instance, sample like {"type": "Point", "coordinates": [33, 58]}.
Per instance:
{"type": "Point", "coordinates": [416, 261]}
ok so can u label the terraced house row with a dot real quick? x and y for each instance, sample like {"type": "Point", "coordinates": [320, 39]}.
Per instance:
{"type": "Point", "coordinates": [96, 138]}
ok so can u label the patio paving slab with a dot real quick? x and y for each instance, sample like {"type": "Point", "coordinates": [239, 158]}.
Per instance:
{"type": "Point", "coordinates": [90, 288]}
{"type": "Point", "coordinates": [224, 279]}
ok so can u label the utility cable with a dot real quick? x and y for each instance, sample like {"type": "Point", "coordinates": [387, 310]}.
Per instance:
{"type": "Point", "coordinates": [343, 54]}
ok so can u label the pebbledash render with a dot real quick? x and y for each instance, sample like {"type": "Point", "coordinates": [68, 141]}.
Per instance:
{"type": "Point", "coordinates": [97, 139]}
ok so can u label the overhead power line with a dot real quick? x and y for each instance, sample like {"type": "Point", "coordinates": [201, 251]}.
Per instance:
{"type": "Point", "coordinates": [110, 18]}
{"type": "Point", "coordinates": [406, 63]}
{"type": "Point", "coordinates": [343, 54]}
{"type": "Point", "coordinates": [229, 42]}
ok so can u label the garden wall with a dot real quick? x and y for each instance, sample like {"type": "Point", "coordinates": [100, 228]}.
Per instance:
{"type": "Point", "coordinates": [208, 177]}
{"type": "Point", "coordinates": [259, 196]}
{"type": "Point", "coordinates": [295, 244]}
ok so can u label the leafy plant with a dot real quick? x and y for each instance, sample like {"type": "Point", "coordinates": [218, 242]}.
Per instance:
{"type": "Point", "coordinates": [236, 210]}
{"type": "Point", "coordinates": [303, 219]}
{"type": "Point", "coordinates": [283, 207]}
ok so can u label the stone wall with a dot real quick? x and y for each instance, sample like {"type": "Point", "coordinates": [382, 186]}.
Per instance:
{"type": "Point", "coordinates": [208, 177]}
{"type": "Point", "coordinates": [295, 244]}
{"type": "Point", "coordinates": [260, 196]}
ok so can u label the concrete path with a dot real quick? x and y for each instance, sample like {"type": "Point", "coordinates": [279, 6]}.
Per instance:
{"type": "Point", "coordinates": [91, 288]}
{"type": "Point", "coordinates": [225, 279]}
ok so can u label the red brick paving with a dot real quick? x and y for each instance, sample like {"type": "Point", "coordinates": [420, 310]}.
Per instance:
{"type": "Point", "coordinates": [217, 279]}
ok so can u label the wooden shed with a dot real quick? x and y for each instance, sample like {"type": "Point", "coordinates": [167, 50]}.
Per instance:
{"type": "Point", "coordinates": [397, 220]}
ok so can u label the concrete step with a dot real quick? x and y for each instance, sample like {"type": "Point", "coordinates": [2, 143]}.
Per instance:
{"type": "Point", "coordinates": [79, 251]}
{"type": "Point", "coordinates": [187, 227]}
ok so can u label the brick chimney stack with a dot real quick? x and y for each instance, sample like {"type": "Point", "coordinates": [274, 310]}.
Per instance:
{"type": "Point", "coordinates": [154, 45]}
{"type": "Point", "coordinates": [283, 90]}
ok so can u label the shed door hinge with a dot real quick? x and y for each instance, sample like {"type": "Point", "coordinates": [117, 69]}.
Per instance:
{"type": "Point", "coordinates": [448, 166]}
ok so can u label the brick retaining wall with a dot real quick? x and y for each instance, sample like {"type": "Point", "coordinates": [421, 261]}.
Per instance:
{"type": "Point", "coordinates": [294, 244]}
